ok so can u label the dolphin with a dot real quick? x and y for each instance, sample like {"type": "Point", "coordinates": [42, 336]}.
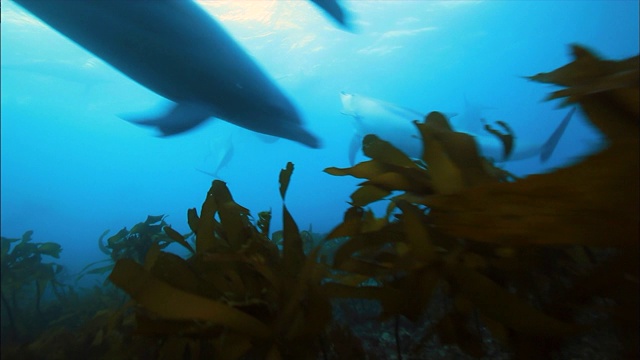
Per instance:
{"type": "Point", "coordinates": [177, 50]}
{"type": "Point", "coordinates": [394, 124]}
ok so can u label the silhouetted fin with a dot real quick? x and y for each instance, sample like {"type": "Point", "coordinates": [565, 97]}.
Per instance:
{"type": "Point", "coordinates": [334, 9]}
{"type": "Point", "coordinates": [550, 145]}
{"type": "Point", "coordinates": [180, 118]}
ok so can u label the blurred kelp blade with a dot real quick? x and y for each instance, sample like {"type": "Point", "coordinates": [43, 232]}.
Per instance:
{"type": "Point", "coordinates": [594, 202]}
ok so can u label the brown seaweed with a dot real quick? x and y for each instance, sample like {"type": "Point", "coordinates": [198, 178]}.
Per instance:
{"type": "Point", "coordinates": [500, 259]}
{"type": "Point", "coordinates": [475, 233]}
{"type": "Point", "coordinates": [237, 291]}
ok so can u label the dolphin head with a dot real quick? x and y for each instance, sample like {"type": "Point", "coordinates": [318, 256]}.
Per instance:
{"type": "Point", "coordinates": [287, 123]}
{"type": "Point", "coordinates": [275, 118]}
{"type": "Point", "coordinates": [348, 105]}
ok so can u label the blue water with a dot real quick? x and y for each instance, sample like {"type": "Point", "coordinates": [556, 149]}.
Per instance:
{"type": "Point", "coordinates": [71, 168]}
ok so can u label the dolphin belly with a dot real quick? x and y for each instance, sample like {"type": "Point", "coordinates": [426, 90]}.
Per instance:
{"type": "Point", "coordinates": [176, 49]}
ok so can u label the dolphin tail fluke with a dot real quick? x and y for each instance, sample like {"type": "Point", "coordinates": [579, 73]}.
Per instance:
{"type": "Point", "coordinates": [354, 146]}
{"type": "Point", "coordinates": [551, 143]}
{"type": "Point", "coordinates": [182, 117]}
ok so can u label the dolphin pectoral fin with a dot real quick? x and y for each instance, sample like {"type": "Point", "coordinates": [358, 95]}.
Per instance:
{"type": "Point", "coordinates": [180, 118]}
{"type": "Point", "coordinates": [354, 146]}
{"type": "Point", "coordinates": [333, 9]}
{"type": "Point", "coordinates": [550, 145]}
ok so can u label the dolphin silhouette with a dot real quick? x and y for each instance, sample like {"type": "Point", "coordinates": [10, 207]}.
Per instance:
{"type": "Point", "coordinates": [177, 50]}
{"type": "Point", "coordinates": [393, 123]}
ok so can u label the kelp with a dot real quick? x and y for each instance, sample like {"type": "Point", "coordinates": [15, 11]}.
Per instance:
{"type": "Point", "coordinates": [72, 324]}
{"type": "Point", "coordinates": [25, 278]}
{"type": "Point", "coordinates": [87, 326]}
{"type": "Point", "coordinates": [494, 243]}
{"type": "Point", "coordinates": [594, 202]}
{"type": "Point", "coordinates": [502, 259]}
{"type": "Point", "coordinates": [615, 82]}
{"type": "Point", "coordinates": [238, 294]}
{"type": "Point", "coordinates": [135, 243]}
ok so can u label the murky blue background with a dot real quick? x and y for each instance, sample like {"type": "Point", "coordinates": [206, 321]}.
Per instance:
{"type": "Point", "coordinates": [71, 168]}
